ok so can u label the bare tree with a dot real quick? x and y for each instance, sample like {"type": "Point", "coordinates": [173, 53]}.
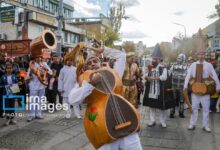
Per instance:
{"type": "Point", "coordinates": [129, 46]}
{"type": "Point", "coordinates": [217, 13]}
{"type": "Point", "coordinates": [116, 14]}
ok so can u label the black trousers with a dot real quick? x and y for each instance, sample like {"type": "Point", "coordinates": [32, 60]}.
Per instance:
{"type": "Point", "coordinates": [1, 107]}
{"type": "Point", "coordinates": [60, 97]}
{"type": "Point", "coordinates": [51, 96]}
{"type": "Point", "coordinates": [178, 95]}
{"type": "Point", "coordinates": [10, 103]}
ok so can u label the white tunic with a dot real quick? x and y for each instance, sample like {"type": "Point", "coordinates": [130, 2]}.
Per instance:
{"type": "Point", "coordinates": [78, 94]}
{"type": "Point", "coordinates": [208, 70]}
{"type": "Point", "coordinates": [67, 79]}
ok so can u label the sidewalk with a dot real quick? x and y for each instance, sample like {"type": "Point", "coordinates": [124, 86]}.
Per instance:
{"type": "Point", "coordinates": [57, 133]}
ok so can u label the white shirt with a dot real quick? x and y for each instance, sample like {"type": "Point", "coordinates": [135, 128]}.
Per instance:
{"type": "Point", "coordinates": [67, 79]}
{"type": "Point", "coordinates": [208, 70]}
{"type": "Point", "coordinates": [78, 94]}
{"type": "Point", "coordinates": [9, 79]}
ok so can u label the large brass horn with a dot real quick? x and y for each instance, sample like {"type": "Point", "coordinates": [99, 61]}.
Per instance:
{"type": "Point", "coordinates": [47, 39]}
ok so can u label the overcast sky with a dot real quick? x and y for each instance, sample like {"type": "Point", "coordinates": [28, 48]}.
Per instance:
{"type": "Point", "coordinates": [151, 21]}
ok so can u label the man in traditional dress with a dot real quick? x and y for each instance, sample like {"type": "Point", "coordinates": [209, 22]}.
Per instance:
{"type": "Point", "coordinates": [37, 89]}
{"type": "Point", "coordinates": [207, 71]}
{"type": "Point", "coordinates": [155, 96]}
{"type": "Point", "coordinates": [178, 71]}
{"type": "Point", "coordinates": [129, 79]}
{"type": "Point", "coordinates": [77, 95]}
{"type": "Point", "coordinates": [66, 81]}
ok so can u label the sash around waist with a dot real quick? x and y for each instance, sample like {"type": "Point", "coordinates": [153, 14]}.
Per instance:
{"type": "Point", "coordinates": [127, 82]}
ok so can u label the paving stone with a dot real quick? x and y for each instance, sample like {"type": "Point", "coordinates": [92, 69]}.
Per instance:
{"type": "Point", "coordinates": [57, 139]}
{"type": "Point", "coordinates": [21, 139]}
{"type": "Point", "coordinates": [73, 143]}
{"type": "Point", "coordinates": [150, 142]}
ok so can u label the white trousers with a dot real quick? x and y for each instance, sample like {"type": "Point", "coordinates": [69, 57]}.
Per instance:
{"type": "Point", "coordinates": [205, 101]}
{"type": "Point", "coordinates": [163, 115]}
{"type": "Point", "coordinates": [130, 142]}
{"type": "Point", "coordinates": [34, 103]}
{"type": "Point", "coordinates": [75, 108]}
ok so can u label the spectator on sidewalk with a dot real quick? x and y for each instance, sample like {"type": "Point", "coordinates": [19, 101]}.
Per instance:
{"type": "Point", "coordinates": [57, 65]}
{"type": "Point", "coordinates": [52, 88]}
{"type": "Point", "coordinates": [7, 81]}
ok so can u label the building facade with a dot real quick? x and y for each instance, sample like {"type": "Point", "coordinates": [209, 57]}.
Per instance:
{"type": "Point", "coordinates": [34, 22]}
{"type": "Point", "coordinates": [213, 33]}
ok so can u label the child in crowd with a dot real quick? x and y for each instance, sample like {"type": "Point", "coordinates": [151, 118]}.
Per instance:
{"type": "Point", "coordinates": [52, 88]}
{"type": "Point", "coordinates": [9, 84]}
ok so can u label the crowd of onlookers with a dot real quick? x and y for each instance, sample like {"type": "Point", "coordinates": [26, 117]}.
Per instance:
{"type": "Point", "coordinates": [20, 64]}
{"type": "Point", "coordinates": [19, 67]}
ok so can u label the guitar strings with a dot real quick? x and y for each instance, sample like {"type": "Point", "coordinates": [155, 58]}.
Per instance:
{"type": "Point", "coordinates": [114, 103]}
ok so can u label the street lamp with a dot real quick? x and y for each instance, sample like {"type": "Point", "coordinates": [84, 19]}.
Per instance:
{"type": "Point", "coordinates": [182, 26]}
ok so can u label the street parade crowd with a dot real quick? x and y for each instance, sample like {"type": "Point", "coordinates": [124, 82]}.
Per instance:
{"type": "Point", "coordinates": [112, 90]}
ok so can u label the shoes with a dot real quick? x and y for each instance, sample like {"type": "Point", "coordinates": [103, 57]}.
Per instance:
{"type": "Point", "coordinates": [78, 117]}
{"type": "Point", "coordinates": [207, 129]}
{"type": "Point", "coordinates": [39, 117]}
{"type": "Point", "coordinates": [181, 115]}
{"type": "Point", "coordinates": [7, 122]}
{"type": "Point", "coordinates": [151, 124]}
{"type": "Point", "coordinates": [68, 116]}
{"type": "Point", "coordinates": [13, 122]}
{"type": "Point", "coordinates": [191, 127]}
{"type": "Point", "coordinates": [163, 125]}
{"type": "Point", "coordinates": [30, 118]}
{"type": "Point", "coordinates": [171, 115]}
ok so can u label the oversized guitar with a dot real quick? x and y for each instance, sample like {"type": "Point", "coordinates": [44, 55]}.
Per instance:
{"type": "Point", "coordinates": [108, 115]}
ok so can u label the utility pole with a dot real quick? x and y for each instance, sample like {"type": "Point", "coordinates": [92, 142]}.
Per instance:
{"type": "Point", "coordinates": [0, 11]}
{"type": "Point", "coordinates": [59, 28]}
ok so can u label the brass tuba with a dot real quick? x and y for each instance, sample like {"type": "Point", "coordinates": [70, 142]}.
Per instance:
{"type": "Point", "coordinates": [47, 40]}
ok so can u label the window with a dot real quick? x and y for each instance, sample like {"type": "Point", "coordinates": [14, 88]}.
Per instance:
{"type": "Point", "coordinates": [72, 38]}
{"type": "Point", "coordinates": [65, 37]}
{"type": "Point", "coordinates": [40, 28]}
{"type": "Point", "coordinates": [216, 42]}
{"type": "Point", "coordinates": [53, 7]}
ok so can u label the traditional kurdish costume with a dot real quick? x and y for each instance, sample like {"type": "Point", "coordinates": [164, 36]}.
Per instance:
{"type": "Point", "coordinates": [158, 94]}
{"type": "Point", "coordinates": [78, 94]}
{"type": "Point", "coordinates": [129, 82]}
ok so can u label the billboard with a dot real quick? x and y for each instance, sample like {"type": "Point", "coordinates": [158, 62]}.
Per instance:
{"type": "Point", "coordinates": [15, 48]}
{"type": "Point", "coordinates": [7, 13]}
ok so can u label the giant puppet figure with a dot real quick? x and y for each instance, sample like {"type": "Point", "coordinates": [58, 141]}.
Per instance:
{"type": "Point", "coordinates": [202, 80]}
{"type": "Point", "coordinates": [110, 121]}
{"type": "Point", "coordinates": [158, 92]}
{"type": "Point", "coordinates": [178, 71]}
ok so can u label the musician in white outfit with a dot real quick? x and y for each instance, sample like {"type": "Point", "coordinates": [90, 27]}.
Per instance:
{"type": "Point", "coordinates": [208, 70]}
{"type": "Point", "coordinates": [66, 81]}
{"type": "Point", "coordinates": [37, 89]}
{"type": "Point", "coordinates": [78, 94]}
